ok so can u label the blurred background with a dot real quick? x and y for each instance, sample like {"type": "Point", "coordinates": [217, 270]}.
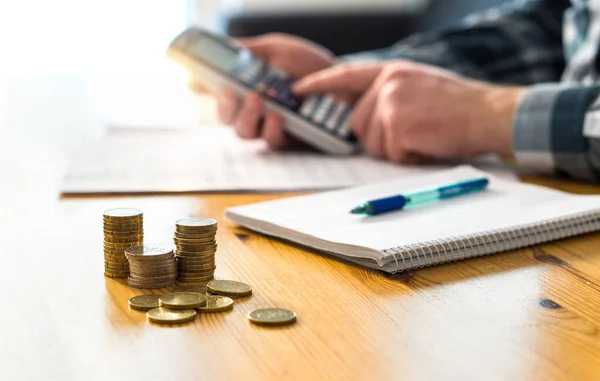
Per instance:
{"type": "Point", "coordinates": [117, 46]}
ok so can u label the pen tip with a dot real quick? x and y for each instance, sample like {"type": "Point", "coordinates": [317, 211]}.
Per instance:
{"type": "Point", "coordinates": [359, 210]}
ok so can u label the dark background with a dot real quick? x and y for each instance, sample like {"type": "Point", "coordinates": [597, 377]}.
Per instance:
{"type": "Point", "coordinates": [346, 33]}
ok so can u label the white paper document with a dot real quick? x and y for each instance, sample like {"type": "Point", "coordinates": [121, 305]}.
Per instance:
{"type": "Point", "coordinates": [212, 159]}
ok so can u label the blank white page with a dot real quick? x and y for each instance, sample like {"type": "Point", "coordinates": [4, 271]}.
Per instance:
{"type": "Point", "coordinates": [324, 219]}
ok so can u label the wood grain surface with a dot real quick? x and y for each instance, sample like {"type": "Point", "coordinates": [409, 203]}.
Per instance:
{"type": "Point", "coordinates": [531, 314]}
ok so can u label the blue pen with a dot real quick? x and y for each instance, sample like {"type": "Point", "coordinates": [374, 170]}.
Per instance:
{"type": "Point", "coordinates": [401, 201]}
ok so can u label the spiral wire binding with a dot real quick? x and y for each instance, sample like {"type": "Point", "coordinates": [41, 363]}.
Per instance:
{"type": "Point", "coordinates": [415, 256]}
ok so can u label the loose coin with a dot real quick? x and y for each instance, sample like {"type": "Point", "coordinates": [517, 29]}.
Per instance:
{"type": "Point", "coordinates": [217, 304]}
{"type": "Point", "coordinates": [168, 316]}
{"type": "Point", "coordinates": [144, 302]}
{"type": "Point", "coordinates": [182, 300]}
{"type": "Point", "coordinates": [228, 288]}
{"type": "Point", "coordinates": [272, 316]}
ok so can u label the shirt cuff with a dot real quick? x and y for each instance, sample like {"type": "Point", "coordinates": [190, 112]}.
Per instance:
{"type": "Point", "coordinates": [548, 129]}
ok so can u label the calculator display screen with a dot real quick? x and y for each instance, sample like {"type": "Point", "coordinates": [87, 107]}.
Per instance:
{"type": "Point", "coordinates": [214, 52]}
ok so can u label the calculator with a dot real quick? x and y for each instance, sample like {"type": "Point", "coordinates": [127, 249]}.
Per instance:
{"type": "Point", "coordinates": [216, 62]}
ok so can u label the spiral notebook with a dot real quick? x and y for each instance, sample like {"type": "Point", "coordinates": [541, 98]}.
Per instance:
{"type": "Point", "coordinates": [508, 215]}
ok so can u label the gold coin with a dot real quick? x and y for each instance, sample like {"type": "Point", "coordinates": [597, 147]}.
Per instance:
{"type": "Point", "coordinates": [196, 249]}
{"type": "Point", "coordinates": [123, 235]}
{"type": "Point", "coordinates": [196, 273]}
{"type": "Point", "coordinates": [196, 288]}
{"type": "Point", "coordinates": [272, 316]}
{"type": "Point", "coordinates": [169, 267]}
{"type": "Point", "coordinates": [182, 249]}
{"type": "Point", "coordinates": [115, 259]}
{"type": "Point", "coordinates": [228, 288]}
{"type": "Point", "coordinates": [195, 277]}
{"type": "Point", "coordinates": [191, 252]}
{"type": "Point", "coordinates": [182, 300]}
{"type": "Point", "coordinates": [116, 276]}
{"type": "Point", "coordinates": [129, 229]}
{"type": "Point", "coordinates": [140, 251]}
{"type": "Point", "coordinates": [205, 237]}
{"type": "Point", "coordinates": [163, 315]}
{"type": "Point", "coordinates": [120, 225]}
{"type": "Point", "coordinates": [149, 286]}
{"type": "Point", "coordinates": [201, 260]}
{"type": "Point", "coordinates": [144, 302]}
{"type": "Point", "coordinates": [117, 246]}
{"type": "Point", "coordinates": [127, 241]}
{"type": "Point", "coordinates": [196, 281]}
{"type": "Point", "coordinates": [116, 267]}
{"type": "Point", "coordinates": [196, 269]}
{"type": "Point", "coordinates": [217, 304]}
{"type": "Point", "coordinates": [194, 241]}
{"type": "Point", "coordinates": [193, 222]}
{"type": "Point", "coordinates": [137, 278]}
{"type": "Point", "coordinates": [122, 213]}
{"type": "Point", "coordinates": [195, 260]}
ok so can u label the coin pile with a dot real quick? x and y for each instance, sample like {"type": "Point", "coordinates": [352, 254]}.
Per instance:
{"type": "Point", "coordinates": [196, 247]}
{"type": "Point", "coordinates": [123, 228]}
{"type": "Point", "coordinates": [184, 302]}
{"type": "Point", "coordinates": [151, 266]}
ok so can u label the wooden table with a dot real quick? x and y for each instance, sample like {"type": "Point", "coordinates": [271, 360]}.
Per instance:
{"type": "Point", "coordinates": [528, 314]}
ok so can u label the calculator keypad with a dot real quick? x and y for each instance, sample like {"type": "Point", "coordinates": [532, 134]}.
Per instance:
{"type": "Point", "coordinates": [323, 111]}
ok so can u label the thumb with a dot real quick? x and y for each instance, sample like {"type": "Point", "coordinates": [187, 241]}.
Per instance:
{"type": "Point", "coordinates": [342, 78]}
{"type": "Point", "coordinates": [262, 46]}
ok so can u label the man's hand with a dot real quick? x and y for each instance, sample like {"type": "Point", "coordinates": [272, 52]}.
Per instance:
{"type": "Point", "coordinates": [296, 56]}
{"type": "Point", "coordinates": [408, 112]}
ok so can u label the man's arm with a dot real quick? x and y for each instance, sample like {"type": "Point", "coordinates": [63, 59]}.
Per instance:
{"type": "Point", "coordinates": [519, 43]}
{"type": "Point", "coordinates": [557, 128]}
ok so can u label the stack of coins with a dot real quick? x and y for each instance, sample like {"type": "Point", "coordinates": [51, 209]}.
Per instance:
{"type": "Point", "coordinates": [196, 248]}
{"type": "Point", "coordinates": [151, 266]}
{"type": "Point", "coordinates": [123, 228]}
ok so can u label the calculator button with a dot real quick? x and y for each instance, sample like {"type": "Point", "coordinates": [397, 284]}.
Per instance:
{"type": "Point", "coordinates": [323, 111]}
{"type": "Point", "coordinates": [309, 106]}
{"type": "Point", "coordinates": [288, 99]}
{"type": "Point", "coordinates": [343, 128]}
{"type": "Point", "coordinates": [334, 116]}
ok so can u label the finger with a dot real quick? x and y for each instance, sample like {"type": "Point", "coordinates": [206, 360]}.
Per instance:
{"type": "Point", "coordinates": [413, 158]}
{"type": "Point", "coordinates": [247, 121]}
{"type": "Point", "coordinates": [227, 105]}
{"type": "Point", "coordinates": [273, 132]}
{"type": "Point", "coordinates": [373, 142]}
{"type": "Point", "coordinates": [345, 78]}
{"type": "Point", "coordinates": [398, 153]}
{"type": "Point", "coordinates": [362, 112]}
{"type": "Point", "coordinates": [261, 46]}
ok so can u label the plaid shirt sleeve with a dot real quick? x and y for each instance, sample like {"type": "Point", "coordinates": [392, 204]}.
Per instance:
{"type": "Point", "coordinates": [521, 43]}
{"type": "Point", "coordinates": [554, 130]}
